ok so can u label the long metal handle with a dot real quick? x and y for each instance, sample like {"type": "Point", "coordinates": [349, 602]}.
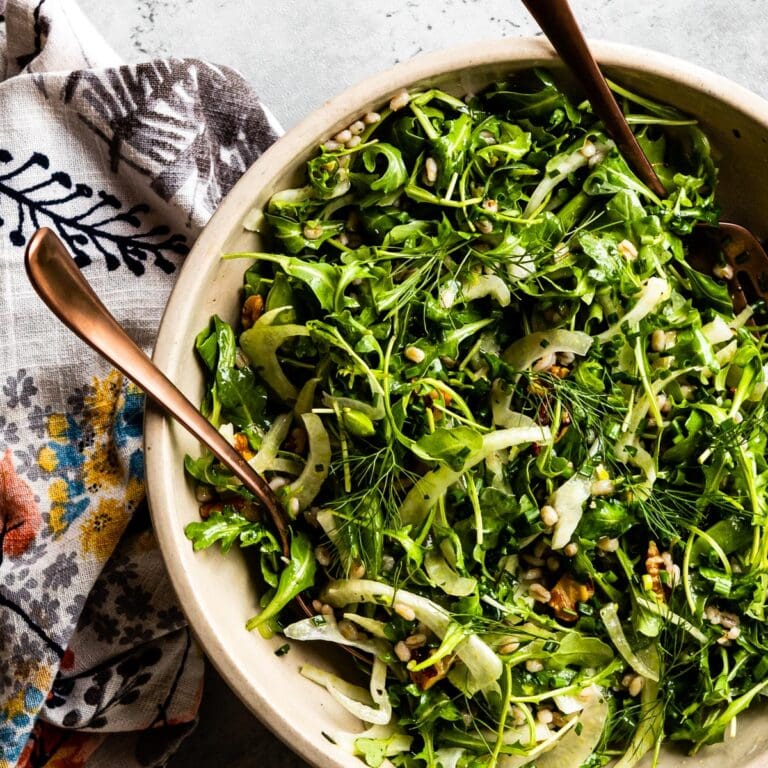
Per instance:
{"type": "Point", "coordinates": [61, 285]}
{"type": "Point", "coordinates": [561, 28]}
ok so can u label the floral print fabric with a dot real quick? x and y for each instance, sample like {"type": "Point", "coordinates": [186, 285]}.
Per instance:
{"type": "Point", "coordinates": [125, 163]}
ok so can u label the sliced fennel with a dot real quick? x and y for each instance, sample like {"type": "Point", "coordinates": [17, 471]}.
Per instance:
{"type": "Point", "coordinates": [325, 628]}
{"type": "Point", "coordinates": [549, 741]}
{"type": "Point", "coordinates": [577, 746]}
{"type": "Point", "coordinates": [523, 353]}
{"type": "Point", "coordinates": [654, 292]}
{"type": "Point", "coordinates": [560, 167]}
{"type": "Point", "coordinates": [371, 706]}
{"type": "Point", "coordinates": [266, 456]}
{"type": "Point", "coordinates": [436, 482]}
{"type": "Point", "coordinates": [303, 490]}
{"type": "Point", "coordinates": [569, 500]}
{"type": "Point", "coordinates": [482, 663]}
{"type": "Point", "coordinates": [382, 740]}
{"type": "Point", "coordinates": [260, 344]}
{"type": "Point", "coordinates": [651, 720]}
{"type": "Point", "coordinates": [610, 616]}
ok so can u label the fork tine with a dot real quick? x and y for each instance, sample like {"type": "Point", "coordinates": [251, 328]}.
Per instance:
{"type": "Point", "coordinates": [749, 261]}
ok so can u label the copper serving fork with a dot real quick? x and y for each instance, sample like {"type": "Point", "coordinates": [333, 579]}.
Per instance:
{"type": "Point", "coordinates": [747, 276]}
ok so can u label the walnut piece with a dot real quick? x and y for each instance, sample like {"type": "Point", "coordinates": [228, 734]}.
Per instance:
{"type": "Point", "coordinates": [252, 310]}
{"type": "Point", "coordinates": [427, 677]}
{"type": "Point", "coordinates": [242, 446]}
{"type": "Point", "coordinates": [566, 594]}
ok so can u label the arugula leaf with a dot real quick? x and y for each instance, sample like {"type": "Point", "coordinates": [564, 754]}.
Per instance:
{"type": "Point", "coordinates": [449, 446]}
{"type": "Point", "coordinates": [208, 471]}
{"type": "Point", "coordinates": [298, 575]}
{"type": "Point", "coordinates": [225, 528]}
{"type": "Point", "coordinates": [543, 102]}
{"type": "Point", "coordinates": [394, 175]}
{"type": "Point", "coordinates": [614, 175]}
{"type": "Point", "coordinates": [605, 518]}
{"type": "Point", "coordinates": [577, 650]}
{"type": "Point", "coordinates": [450, 148]}
{"type": "Point", "coordinates": [234, 396]}
{"type": "Point", "coordinates": [328, 178]}
{"type": "Point", "coordinates": [708, 289]}
{"type": "Point", "coordinates": [296, 236]}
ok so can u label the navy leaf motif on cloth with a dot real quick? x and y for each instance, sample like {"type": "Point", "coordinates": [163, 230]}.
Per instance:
{"type": "Point", "coordinates": [164, 119]}
{"type": "Point", "coordinates": [90, 222]}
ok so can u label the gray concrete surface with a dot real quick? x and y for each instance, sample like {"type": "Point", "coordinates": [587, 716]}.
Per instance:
{"type": "Point", "coordinates": [298, 53]}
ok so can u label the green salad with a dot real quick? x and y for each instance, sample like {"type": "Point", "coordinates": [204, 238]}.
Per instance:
{"type": "Point", "coordinates": [522, 442]}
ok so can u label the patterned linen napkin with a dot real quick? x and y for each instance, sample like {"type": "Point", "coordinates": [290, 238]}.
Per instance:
{"type": "Point", "coordinates": [125, 163]}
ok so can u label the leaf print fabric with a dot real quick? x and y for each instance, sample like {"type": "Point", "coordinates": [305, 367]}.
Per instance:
{"type": "Point", "coordinates": [164, 120]}
{"type": "Point", "coordinates": [85, 219]}
{"type": "Point", "coordinates": [125, 163]}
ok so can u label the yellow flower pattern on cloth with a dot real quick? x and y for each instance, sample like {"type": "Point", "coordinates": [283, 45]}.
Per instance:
{"type": "Point", "coordinates": [102, 528]}
{"type": "Point", "coordinates": [93, 465]}
{"type": "Point", "coordinates": [63, 518]}
{"type": "Point", "coordinates": [90, 482]}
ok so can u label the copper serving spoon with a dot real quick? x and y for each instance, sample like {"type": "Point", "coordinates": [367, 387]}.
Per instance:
{"type": "Point", "coordinates": [748, 278]}
{"type": "Point", "coordinates": [61, 285]}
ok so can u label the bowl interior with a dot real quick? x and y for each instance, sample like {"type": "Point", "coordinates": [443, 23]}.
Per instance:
{"type": "Point", "coordinates": [217, 592]}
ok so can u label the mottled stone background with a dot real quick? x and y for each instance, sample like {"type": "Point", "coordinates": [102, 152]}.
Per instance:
{"type": "Point", "coordinates": [298, 53]}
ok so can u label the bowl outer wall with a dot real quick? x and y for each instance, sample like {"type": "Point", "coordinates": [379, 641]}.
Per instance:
{"type": "Point", "coordinates": [217, 592]}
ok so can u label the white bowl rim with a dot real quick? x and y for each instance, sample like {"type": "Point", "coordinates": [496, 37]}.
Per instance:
{"type": "Point", "coordinates": [167, 353]}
